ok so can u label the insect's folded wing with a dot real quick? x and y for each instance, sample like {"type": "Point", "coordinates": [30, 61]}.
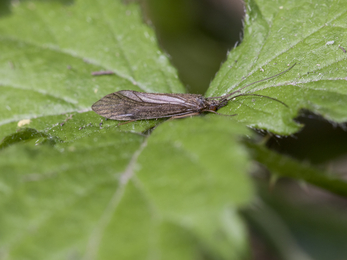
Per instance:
{"type": "Point", "coordinates": [115, 106]}
{"type": "Point", "coordinates": [156, 98]}
{"type": "Point", "coordinates": [127, 105]}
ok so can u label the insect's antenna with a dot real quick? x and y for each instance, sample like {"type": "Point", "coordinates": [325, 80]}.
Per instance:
{"type": "Point", "coordinates": [211, 111]}
{"type": "Point", "coordinates": [239, 90]}
{"type": "Point", "coordinates": [251, 94]}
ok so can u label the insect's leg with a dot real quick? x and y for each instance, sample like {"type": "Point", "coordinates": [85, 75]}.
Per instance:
{"type": "Point", "coordinates": [126, 122]}
{"type": "Point", "coordinates": [214, 112]}
{"type": "Point", "coordinates": [186, 115]}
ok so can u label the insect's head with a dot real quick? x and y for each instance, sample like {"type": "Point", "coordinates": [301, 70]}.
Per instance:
{"type": "Point", "coordinates": [222, 103]}
{"type": "Point", "coordinates": [214, 105]}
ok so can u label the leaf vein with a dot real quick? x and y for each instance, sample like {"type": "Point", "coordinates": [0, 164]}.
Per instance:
{"type": "Point", "coordinates": [74, 55]}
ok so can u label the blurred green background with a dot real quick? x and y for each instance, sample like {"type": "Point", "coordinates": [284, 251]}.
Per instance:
{"type": "Point", "coordinates": [197, 35]}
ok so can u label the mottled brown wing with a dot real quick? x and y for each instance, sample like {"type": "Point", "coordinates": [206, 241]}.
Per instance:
{"type": "Point", "coordinates": [131, 105]}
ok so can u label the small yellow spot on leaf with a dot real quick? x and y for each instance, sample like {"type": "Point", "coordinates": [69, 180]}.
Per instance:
{"type": "Point", "coordinates": [23, 122]}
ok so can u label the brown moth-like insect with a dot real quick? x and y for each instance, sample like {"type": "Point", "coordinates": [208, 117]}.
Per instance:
{"type": "Point", "coordinates": [129, 105]}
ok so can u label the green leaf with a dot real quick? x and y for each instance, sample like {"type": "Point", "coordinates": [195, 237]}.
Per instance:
{"type": "Point", "coordinates": [200, 172]}
{"type": "Point", "coordinates": [279, 34]}
{"type": "Point", "coordinates": [49, 51]}
{"type": "Point", "coordinates": [75, 186]}
{"type": "Point", "coordinates": [66, 128]}
{"type": "Point", "coordinates": [94, 200]}
{"type": "Point", "coordinates": [59, 193]}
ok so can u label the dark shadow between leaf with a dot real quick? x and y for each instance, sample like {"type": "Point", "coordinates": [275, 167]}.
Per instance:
{"type": "Point", "coordinates": [317, 142]}
{"type": "Point", "coordinates": [26, 134]}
